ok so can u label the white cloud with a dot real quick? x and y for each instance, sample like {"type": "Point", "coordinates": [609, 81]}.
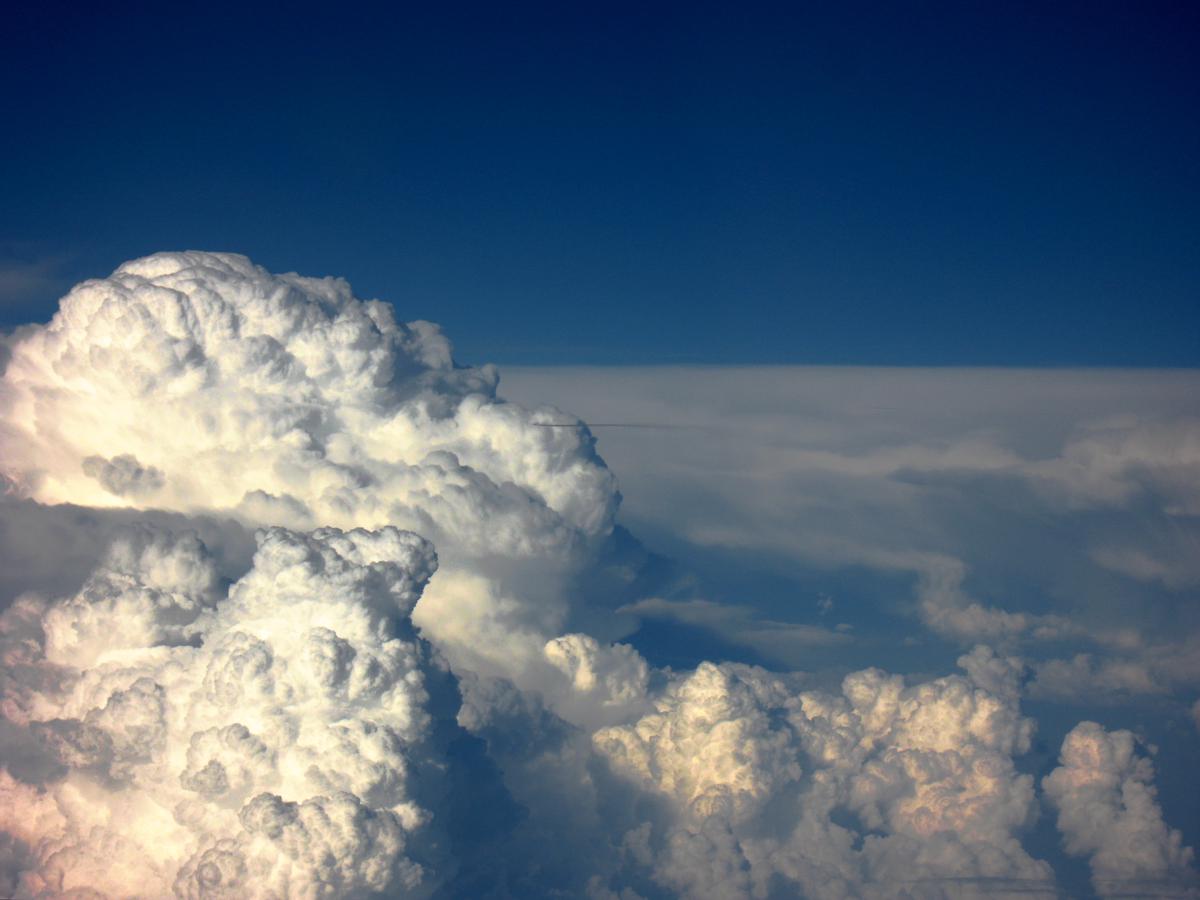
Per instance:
{"type": "Point", "coordinates": [199, 382]}
{"type": "Point", "coordinates": [605, 684]}
{"type": "Point", "coordinates": [1135, 668]}
{"type": "Point", "coordinates": [1107, 811]}
{"type": "Point", "coordinates": [754, 773]}
{"type": "Point", "coordinates": [179, 717]}
{"type": "Point", "coordinates": [1123, 458]}
{"type": "Point", "coordinates": [224, 380]}
{"type": "Point", "coordinates": [228, 743]}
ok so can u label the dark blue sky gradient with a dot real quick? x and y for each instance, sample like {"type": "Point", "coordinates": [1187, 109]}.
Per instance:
{"type": "Point", "coordinates": [966, 183]}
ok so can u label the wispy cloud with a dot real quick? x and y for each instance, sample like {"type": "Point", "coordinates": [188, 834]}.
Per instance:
{"type": "Point", "coordinates": [782, 642]}
{"type": "Point", "coordinates": [1053, 509]}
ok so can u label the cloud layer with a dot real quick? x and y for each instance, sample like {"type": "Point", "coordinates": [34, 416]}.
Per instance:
{"type": "Point", "coordinates": [1051, 511]}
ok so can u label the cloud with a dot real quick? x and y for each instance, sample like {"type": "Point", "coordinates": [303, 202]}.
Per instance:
{"type": "Point", "coordinates": [1133, 669]}
{"type": "Point", "coordinates": [1029, 507]}
{"type": "Point", "coordinates": [785, 642]}
{"type": "Point", "coordinates": [604, 684]}
{"type": "Point", "coordinates": [200, 383]}
{"type": "Point", "coordinates": [1107, 811]}
{"type": "Point", "coordinates": [1083, 677]}
{"type": "Point", "coordinates": [123, 475]}
{"type": "Point", "coordinates": [225, 381]}
{"type": "Point", "coordinates": [1173, 566]}
{"type": "Point", "coordinates": [217, 742]}
{"type": "Point", "coordinates": [233, 668]}
{"type": "Point", "coordinates": [1118, 460]}
{"type": "Point", "coordinates": [834, 795]}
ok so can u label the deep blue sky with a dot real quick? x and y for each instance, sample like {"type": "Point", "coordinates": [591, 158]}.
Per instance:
{"type": "Point", "coordinates": [886, 183]}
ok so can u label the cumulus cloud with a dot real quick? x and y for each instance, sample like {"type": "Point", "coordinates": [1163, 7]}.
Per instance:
{"type": "Point", "coordinates": [333, 708]}
{"type": "Point", "coordinates": [1108, 812]}
{"type": "Point", "coordinates": [269, 739]}
{"type": "Point", "coordinates": [200, 382]}
{"type": "Point", "coordinates": [878, 790]}
{"type": "Point", "coordinates": [208, 382]}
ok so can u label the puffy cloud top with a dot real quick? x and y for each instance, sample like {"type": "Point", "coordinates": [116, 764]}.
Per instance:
{"type": "Point", "coordinates": [757, 775]}
{"type": "Point", "coordinates": [1108, 812]}
{"type": "Point", "coordinates": [201, 381]}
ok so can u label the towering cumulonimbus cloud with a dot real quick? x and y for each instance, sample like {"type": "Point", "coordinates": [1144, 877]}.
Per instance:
{"type": "Point", "coordinates": [200, 382]}
{"type": "Point", "coordinates": [274, 739]}
{"type": "Point", "coordinates": [196, 723]}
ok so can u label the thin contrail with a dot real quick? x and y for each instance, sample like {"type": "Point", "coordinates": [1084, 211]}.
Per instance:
{"type": "Point", "coordinates": [611, 425]}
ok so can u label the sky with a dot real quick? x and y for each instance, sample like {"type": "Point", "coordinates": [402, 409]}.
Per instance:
{"type": "Point", "coordinates": [658, 453]}
{"type": "Point", "coordinates": [913, 184]}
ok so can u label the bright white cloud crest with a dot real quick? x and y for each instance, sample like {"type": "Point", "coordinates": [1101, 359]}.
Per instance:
{"type": "Point", "coordinates": [184, 725]}
{"type": "Point", "coordinates": [200, 381]}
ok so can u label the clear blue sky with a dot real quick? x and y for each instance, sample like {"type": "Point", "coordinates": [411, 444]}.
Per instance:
{"type": "Point", "coordinates": [979, 183]}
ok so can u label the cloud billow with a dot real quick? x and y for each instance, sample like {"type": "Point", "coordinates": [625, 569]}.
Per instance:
{"type": "Point", "coordinates": [410, 640]}
{"type": "Point", "coordinates": [185, 718]}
